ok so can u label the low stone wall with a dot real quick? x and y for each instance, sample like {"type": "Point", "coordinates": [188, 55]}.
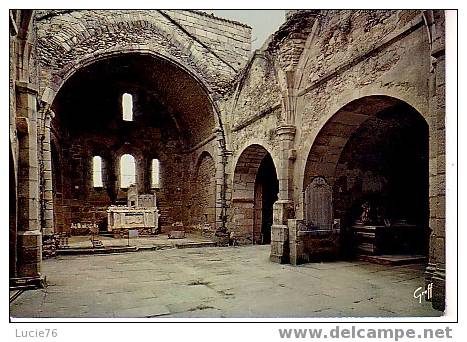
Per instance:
{"type": "Point", "coordinates": [80, 229]}
{"type": "Point", "coordinates": [123, 232]}
{"type": "Point", "coordinates": [312, 245]}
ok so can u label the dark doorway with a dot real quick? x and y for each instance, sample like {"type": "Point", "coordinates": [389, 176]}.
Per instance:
{"type": "Point", "coordinates": [266, 190]}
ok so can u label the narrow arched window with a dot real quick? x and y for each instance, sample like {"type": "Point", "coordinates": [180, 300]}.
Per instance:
{"type": "Point", "coordinates": [97, 172]}
{"type": "Point", "coordinates": [155, 174]}
{"type": "Point", "coordinates": [127, 170]}
{"type": "Point", "coordinates": [127, 107]}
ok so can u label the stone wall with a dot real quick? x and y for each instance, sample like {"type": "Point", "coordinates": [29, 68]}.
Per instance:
{"type": "Point", "coordinates": [202, 194]}
{"type": "Point", "coordinates": [257, 94]}
{"type": "Point", "coordinates": [360, 62]}
{"type": "Point", "coordinates": [24, 137]}
{"type": "Point", "coordinates": [379, 64]}
{"type": "Point", "coordinates": [72, 38]}
{"type": "Point", "coordinates": [82, 202]}
{"type": "Point", "coordinates": [299, 99]}
{"type": "Point", "coordinates": [230, 40]}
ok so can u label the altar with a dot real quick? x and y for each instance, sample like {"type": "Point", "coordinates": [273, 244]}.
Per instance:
{"type": "Point", "coordinates": [396, 238]}
{"type": "Point", "coordinates": [374, 234]}
{"type": "Point", "coordinates": [140, 213]}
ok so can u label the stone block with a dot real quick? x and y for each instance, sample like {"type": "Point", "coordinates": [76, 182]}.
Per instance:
{"type": "Point", "coordinates": [439, 289]}
{"type": "Point", "coordinates": [279, 233]}
{"type": "Point", "coordinates": [29, 270]}
{"type": "Point", "coordinates": [280, 210]}
{"type": "Point", "coordinates": [292, 228]}
{"type": "Point", "coordinates": [28, 239]}
{"type": "Point", "coordinates": [176, 234]}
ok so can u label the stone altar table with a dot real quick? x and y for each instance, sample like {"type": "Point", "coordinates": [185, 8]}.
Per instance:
{"type": "Point", "coordinates": [140, 213]}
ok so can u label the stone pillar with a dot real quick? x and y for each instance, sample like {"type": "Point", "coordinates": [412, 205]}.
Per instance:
{"type": "Point", "coordinates": [436, 269]}
{"type": "Point", "coordinates": [228, 210]}
{"type": "Point", "coordinates": [29, 234]}
{"type": "Point", "coordinates": [221, 236]}
{"type": "Point", "coordinates": [438, 193]}
{"type": "Point", "coordinates": [220, 175]}
{"type": "Point", "coordinates": [283, 208]}
{"type": "Point", "coordinates": [280, 233]}
{"type": "Point", "coordinates": [48, 206]}
{"type": "Point", "coordinates": [294, 243]}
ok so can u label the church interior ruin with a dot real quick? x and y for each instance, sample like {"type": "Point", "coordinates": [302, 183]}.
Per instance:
{"type": "Point", "coordinates": [162, 131]}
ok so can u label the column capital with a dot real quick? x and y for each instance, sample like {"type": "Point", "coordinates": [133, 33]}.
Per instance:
{"type": "Point", "coordinates": [285, 129]}
{"type": "Point", "coordinates": [26, 88]}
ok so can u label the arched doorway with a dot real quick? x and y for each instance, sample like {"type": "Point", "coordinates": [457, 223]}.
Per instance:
{"type": "Point", "coordinates": [255, 189]}
{"type": "Point", "coordinates": [374, 154]}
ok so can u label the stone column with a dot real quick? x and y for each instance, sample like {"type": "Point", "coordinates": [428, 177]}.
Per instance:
{"type": "Point", "coordinates": [295, 242]}
{"type": "Point", "coordinates": [221, 235]}
{"type": "Point", "coordinates": [48, 206]}
{"type": "Point", "coordinates": [283, 207]}
{"type": "Point", "coordinates": [220, 197]}
{"type": "Point", "coordinates": [436, 269]}
{"type": "Point", "coordinates": [29, 234]}
{"type": "Point", "coordinates": [438, 193]}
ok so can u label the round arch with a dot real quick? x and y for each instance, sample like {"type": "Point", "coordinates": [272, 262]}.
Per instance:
{"type": "Point", "coordinates": [373, 149]}
{"type": "Point", "coordinates": [254, 190]}
{"type": "Point", "coordinates": [52, 89]}
{"type": "Point", "coordinates": [388, 97]}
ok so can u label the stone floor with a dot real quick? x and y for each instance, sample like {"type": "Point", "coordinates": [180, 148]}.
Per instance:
{"type": "Point", "coordinates": [220, 282]}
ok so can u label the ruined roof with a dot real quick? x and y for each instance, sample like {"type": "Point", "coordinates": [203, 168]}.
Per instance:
{"type": "Point", "coordinates": [296, 22]}
{"type": "Point", "coordinates": [219, 18]}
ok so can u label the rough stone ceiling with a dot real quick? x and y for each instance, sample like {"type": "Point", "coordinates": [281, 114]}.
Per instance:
{"type": "Point", "coordinates": [94, 92]}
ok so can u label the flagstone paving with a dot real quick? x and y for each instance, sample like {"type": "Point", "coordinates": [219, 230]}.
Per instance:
{"type": "Point", "coordinates": [220, 282]}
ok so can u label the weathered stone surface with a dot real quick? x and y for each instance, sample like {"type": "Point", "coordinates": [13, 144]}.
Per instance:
{"type": "Point", "coordinates": [331, 94]}
{"type": "Point", "coordinates": [318, 204]}
{"type": "Point", "coordinates": [235, 282]}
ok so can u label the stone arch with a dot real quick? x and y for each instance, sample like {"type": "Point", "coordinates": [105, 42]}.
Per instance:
{"type": "Point", "coordinates": [58, 80]}
{"type": "Point", "coordinates": [390, 96]}
{"type": "Point", "coordinates": [209, 138]}
{"type": "Point", "coordinates": [208, 149]}
{"type": "Point", "coordinates": [89, 37]}
{"type": "Point", "coordinates": [335, 133]}
{"type": "Point", "coordinates": [254, 165]}
{"type": "Point", "coordinates": [86, 41]}
{"type": "Point", "coordinates": [203, 194]}
{"type": "Point", "coordinates": [116, 30]}
{"type": "Point", "coordinates": [366, 132]}
{"type": "Point", "coordinates": [263, 143]}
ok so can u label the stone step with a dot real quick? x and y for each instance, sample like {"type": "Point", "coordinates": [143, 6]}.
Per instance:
{"type": "Point", "coordinates": [15, 294]}
{"type": "Point", "coordinates": [126, 249]}
{"type": "Point", "coordinates": [196, 245]}
{"type": "Point", "coordinates": [394, 260]}
{"type": "Point", "coordinates": [88, 250]}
